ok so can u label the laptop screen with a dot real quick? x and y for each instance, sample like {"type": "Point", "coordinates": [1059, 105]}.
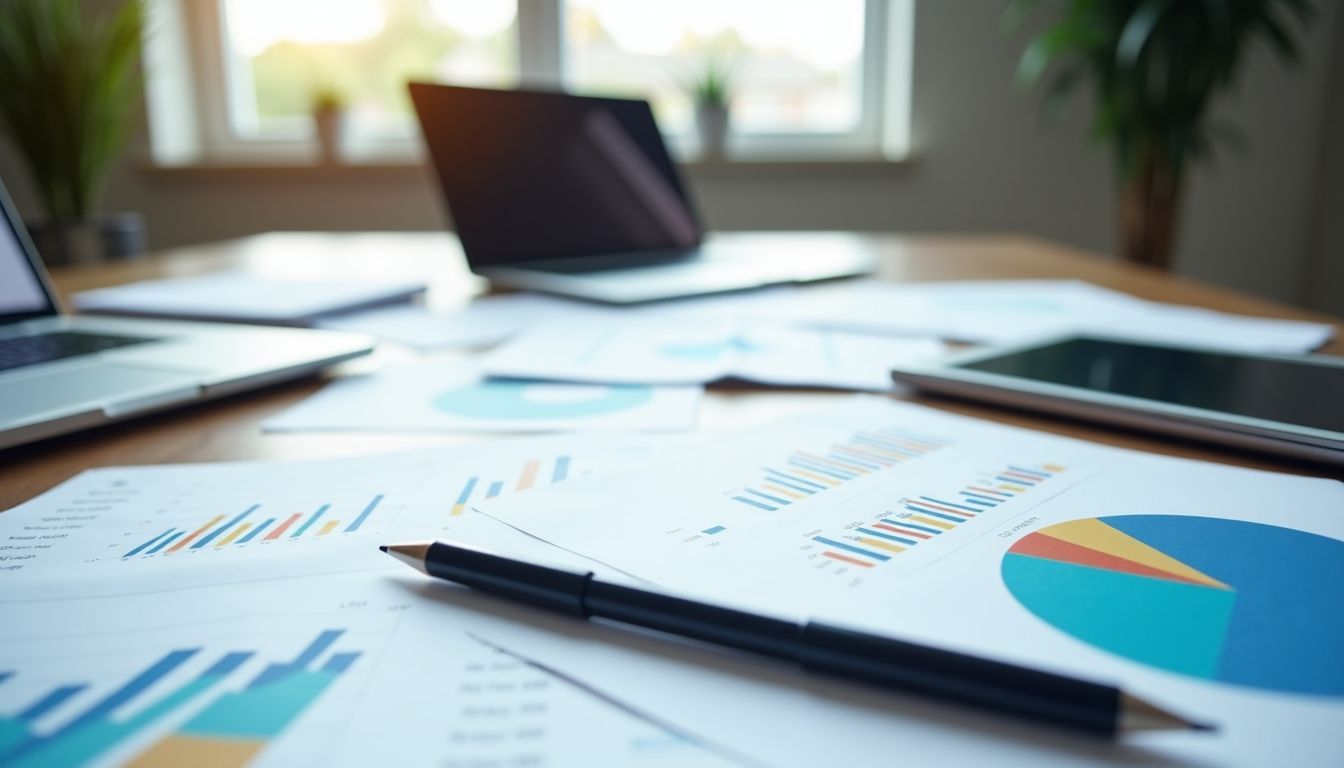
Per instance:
{"type": "Point", "coordinates": [531, 176]}
{"type": "Point", "coordinates": [21, 292]}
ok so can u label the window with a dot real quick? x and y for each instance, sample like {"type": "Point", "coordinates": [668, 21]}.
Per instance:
{"type": "Point", "coordinates": [819, 78]}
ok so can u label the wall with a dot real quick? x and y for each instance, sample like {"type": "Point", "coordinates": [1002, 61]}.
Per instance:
{"type": "Point", "coordinates": [984, 160]}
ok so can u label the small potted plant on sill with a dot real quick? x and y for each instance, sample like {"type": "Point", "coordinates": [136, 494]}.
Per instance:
{"type": "Point", "coordinates": [70, 86]}
{"type": "Point", "coordinates": [711, 90]}
{"type": "Point", "coordinates": [329, 118]}
{"type": "Point", "coordinates": [1154, 67]}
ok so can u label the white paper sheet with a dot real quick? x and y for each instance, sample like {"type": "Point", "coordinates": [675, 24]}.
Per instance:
{"type": "Point", "coordinates": [648, 352]}
{"type": "Point", "coordinates": [937, 528]}
{"type": "Point", "coordinates": [1003, 311]}
{"type": "Point", "coordinates": [482, 323]}
{"type": "Point", "coordinates": [118, 529]}
{"type": "Point", "coordinates": [243, 297]}
{"type": "Point", "coordinates": [338, 670]}
{"type": "Point", "coordinates": [448, 396]}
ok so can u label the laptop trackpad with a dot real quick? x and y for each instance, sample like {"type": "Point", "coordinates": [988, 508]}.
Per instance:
{"type": "Point", "coordinates": [114, 389]}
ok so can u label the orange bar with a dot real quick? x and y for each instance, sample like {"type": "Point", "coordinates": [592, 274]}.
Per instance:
{"type": "Point", "coordinates": [273, 535]}
{"type": "Point", "coordinates": [833, 464]}
{"type": "Point", "coordinates": [331, 524]}
{"type": "Point", "coordinates": [865, 455]}
{"type": "Point", "coordinates": [529, 475]}
{"type": "Point", "coordinates": [949, 511]}
{"type": "Point", "coordinates": [844, 559]}
{"type": "Point", "coordinates": [902, 531]}
{"type": "Point", "coordinates": [195, 533]}
{"type": "Point", "coordinates": [782, 491]}
{"type": "Point", "coordinates": [236, 533]}
{"type": "Point", "coordinates": [814, 476]}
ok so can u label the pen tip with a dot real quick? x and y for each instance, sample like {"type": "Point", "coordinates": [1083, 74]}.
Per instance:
{"type": "Point", "coordinates": [1210, 727]}
{"type": "Point", "coordinates": [382, 547]}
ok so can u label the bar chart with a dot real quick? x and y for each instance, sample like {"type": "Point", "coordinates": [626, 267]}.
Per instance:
{"type": "Point", "coordinates": [258, 523]}
{"type": "Point", "coordinates": [917, 520]}
{"type": "Point", "coordinates": [803, 474]}
{"type": "Point", "coordinates": [229, 731]}
{"type": "Point", "coordinates": [533, 472]}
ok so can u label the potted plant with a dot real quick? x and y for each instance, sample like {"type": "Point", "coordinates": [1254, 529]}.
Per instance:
{"type": "Point", "coordinates": [710, 91]}
{"type": "Point", "coordinates": [1154, 67]}
{"type": "Point", "coordinates": [70, 85]}
{"type": "Point", "coordinates": [329, 123]}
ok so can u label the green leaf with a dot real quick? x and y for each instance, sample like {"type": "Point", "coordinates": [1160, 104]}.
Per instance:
{"type": "Point", "coordinates": [1138, 31]}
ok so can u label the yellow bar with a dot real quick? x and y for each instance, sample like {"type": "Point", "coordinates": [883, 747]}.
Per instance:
{"type": "Point", "coordinates": [329, 527]}
{"type": "Point", "coordinates": [236, 533]}
{"type": "Point", "coordinates": [457, 509]}
{"type": "Point", "coordinates": [1013, 488]}
{"type": "Point", "coordinates": [177, 750]}
{"type": "Point", "coordinates": [834, 463]}
{"type": "Point", "coordinates": [815, 476]}
{"type": "Point", "coordinates": [782, 491]}
{"type": "Point", "coordinates": [529, 475]}
{"type": "Point", "coordinates": [930, 521]}
{"type": "Point", "coordinates": [194, 534]}
{"type": "Point", "coordinates": [1054, 468]}
{"type": "Point", "coordinates": [880, 544]}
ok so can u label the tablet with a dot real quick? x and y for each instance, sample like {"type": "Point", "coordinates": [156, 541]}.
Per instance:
{"type": "Point", "coordinates": [1287, 404]}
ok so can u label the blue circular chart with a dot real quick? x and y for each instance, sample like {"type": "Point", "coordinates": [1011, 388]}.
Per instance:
{"type": "Point", "coordinates": [517, 400]}
{"type": "Point", "coordinates": [1242, 603]}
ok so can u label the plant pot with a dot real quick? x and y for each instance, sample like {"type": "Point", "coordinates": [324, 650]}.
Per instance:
{"type": "Point", "coordinates": [329, 124]}
{"type": "Point", "coordinates": [109, 237]}
{"type": "Point", "coordinates": [1149, 214]}
{"type": "Point", "coordinates": [711, 120]}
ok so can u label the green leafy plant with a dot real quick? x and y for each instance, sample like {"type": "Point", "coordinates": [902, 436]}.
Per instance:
{"type": "Point", "coordinates": [712, 85]}
{"type": "Point", "coordinates": [1154, 67]}
{"type": "Point", "coordinates": [68, 84]}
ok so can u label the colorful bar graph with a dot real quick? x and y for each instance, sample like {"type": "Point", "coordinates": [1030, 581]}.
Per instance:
{"type": "Point", "coordinates": [228, 731]}
{"type": "Point", "coordinates": [925, 517]}
{"type": "Point", "coordinates": [219, 533]}
{"type": "Point", "coordinates": [804, 473]}
{"type": "Point", "coordinates": [528, 476]}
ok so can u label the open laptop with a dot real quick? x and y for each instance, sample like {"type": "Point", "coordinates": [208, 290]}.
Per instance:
{"type": "Point", "coordinates": [577, 195]}
{"type": "Point", "coordinates": [60, 373]}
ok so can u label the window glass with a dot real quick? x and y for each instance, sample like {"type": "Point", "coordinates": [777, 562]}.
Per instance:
{"type": "Point", "coordinates": [796, 65]}
{"type": "Point", "coordinates": [284, 53]}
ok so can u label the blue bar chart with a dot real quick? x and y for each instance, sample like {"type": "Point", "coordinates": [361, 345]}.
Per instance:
{"type": "Point", "coordinates": [803, 474]}
{"type": "Point", "coordinates": [229, 731]}
{"type": "Point", "coordinates": [920, 519]}
{"type": "Point", "coordinates": [256, 523]}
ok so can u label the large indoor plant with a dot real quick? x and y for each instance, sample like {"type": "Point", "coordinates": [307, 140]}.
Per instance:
{"type": "Point", "coordinates": [68, 88]}
{"type": "Point", "coordinates": [1154, 66]}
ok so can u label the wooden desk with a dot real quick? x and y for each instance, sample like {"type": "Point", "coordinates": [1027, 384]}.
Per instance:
{"type": "Point", "coordinates": [229, 429]}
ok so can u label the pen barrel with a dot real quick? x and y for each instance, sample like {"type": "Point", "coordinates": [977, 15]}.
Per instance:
{"type": "Point", "coordinates": [998, 687]}
{"type": "Point", "coordinates": [699, 621]}
{"type": "Point", "coordinates": [549, 587]}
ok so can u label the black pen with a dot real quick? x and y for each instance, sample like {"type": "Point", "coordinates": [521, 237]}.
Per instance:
{"type": "Point", "coordinates": [995, 686]}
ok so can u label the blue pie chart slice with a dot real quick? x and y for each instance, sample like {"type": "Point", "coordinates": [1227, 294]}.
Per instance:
{"type": "Point", "coordinates": [511, 400]}
{"type": "Point", "coordinates": [1247, 604]}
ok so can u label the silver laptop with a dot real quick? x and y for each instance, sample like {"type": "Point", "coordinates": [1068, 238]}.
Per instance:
{"type": "Point", "coordinates": [60, 373]}
{"type": "Point", "coordinates": [577, 195]}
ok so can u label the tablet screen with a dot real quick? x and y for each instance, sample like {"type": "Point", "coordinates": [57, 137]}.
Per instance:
{"type": "Point", "coordinates": [1304, 394]}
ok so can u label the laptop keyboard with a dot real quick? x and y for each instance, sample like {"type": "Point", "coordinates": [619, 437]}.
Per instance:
{"type": "Point", "coordinates": [31, 350]}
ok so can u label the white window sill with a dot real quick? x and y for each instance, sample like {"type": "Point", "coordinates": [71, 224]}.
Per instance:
{"type": "Point", "coordinates": [397, 169]}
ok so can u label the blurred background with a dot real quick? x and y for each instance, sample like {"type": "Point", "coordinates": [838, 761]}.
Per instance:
{"type": "Point", "coordinates": [873, 115]}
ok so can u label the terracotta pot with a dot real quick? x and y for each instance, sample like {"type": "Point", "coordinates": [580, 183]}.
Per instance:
{"type": "Point", "coordinates": [711, 120]}
{"type": "Point", "coordinates": [109, 237]}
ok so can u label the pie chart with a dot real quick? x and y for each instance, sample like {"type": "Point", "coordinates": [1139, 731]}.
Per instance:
{"type": "Point", "coordinates": [1241, 603]}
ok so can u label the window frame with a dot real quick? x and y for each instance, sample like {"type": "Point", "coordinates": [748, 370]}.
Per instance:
{"type": "Point", "coordinates": [193, 77]}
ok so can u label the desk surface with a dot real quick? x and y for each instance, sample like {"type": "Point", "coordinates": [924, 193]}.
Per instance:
{"type": "Point", "coordinates": [230, 429]}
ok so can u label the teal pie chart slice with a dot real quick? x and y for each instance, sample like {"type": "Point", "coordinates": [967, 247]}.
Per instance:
{"type": "Point", "coordinates": [1242, 603]}
{"type": "Point", "coordinates": [511, 400]}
